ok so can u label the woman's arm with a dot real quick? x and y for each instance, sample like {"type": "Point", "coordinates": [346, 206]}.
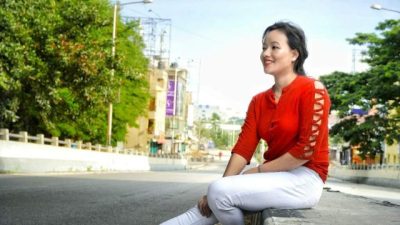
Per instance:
{"type": "Point", "coordinates": [314, 112]}
{"type": "Point", "coordinates": [235, 165]}
{"type": "Point", "coordinates": [284, 163]}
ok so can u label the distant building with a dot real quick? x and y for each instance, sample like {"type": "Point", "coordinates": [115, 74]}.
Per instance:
{"type": "Point", "coordinates": [177, 109]}
{"type": "Point", "coordinates": [150, 134]}
{"type": "Point", "coordinates": [392, 152]}
{"type": "Point", "coordinates": [205, 112]}
{"type": "Point", "coordinates": [167, 124]}
{"type": "Point", "coordinates": [350, 154]}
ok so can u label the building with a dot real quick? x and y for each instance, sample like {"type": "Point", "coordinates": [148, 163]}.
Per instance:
{"type": "Point", "coordinates": [392, 153]}
{"type": "Point", "coordinates": [205, 112]}
{"type": "Point", "coordinates": [150, 134]}
{"type": "Point", "coordinates": [178, 102]}
{"type": "Point", "coordinates": [350, 154]}
{"type": "Point", "coordinates": [165, 128]}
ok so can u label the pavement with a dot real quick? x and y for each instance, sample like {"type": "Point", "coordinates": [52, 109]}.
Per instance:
{"type": "Point", "coordinates": [342, 203]}
{"type": "Point", "coordinates": [136, 198]}
{"type": "Point", "coordinates": [336, 207]}
{"type": "Point", "coordinates": [147, 198]}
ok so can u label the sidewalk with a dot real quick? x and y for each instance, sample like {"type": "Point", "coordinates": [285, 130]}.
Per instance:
{"type": "Point", "coordinates": [337, 208]}
{"type": "Point", "coordinates": [380, 206]}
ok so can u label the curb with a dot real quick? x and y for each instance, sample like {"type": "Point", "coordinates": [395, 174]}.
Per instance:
{"type": "Point", "coordinates": [283, 216]}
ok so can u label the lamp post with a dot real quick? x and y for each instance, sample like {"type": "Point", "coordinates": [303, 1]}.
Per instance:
{"type": "Point", "coordinates": [379, 7]}
{"type": "Point", "coordinates": [197, 102]}
{"type": "Point", "coordinates": [114, 35]}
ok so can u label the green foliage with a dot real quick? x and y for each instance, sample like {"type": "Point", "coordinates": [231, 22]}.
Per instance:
{"type": "Point", "coordinates": [383, 48]}
{"type": "Point", "coordinates": [376, 91]}
{"type": "Point", "coordinates": [55, 69]}
{"type": "Point", "coordinates": [221, 138]}
{"type": "Point", "coordinates": [344, 90]}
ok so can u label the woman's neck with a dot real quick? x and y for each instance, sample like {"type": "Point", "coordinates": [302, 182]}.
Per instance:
{"type": "Point", "coordinates": [283, 81]}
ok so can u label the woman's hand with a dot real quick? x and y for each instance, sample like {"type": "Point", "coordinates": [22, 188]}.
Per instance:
{"type": "Point", "coordinates": [251, 170]}
{"type": "Point", "coordinates": [203, 206]}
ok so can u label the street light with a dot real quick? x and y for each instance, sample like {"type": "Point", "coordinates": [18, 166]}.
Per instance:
{"type": "Point", "coordinates": [197, 103]}
{"type": "Point", "coordinates": [114, 35]}
{"type": "Point", "coordinates": [379, 7]}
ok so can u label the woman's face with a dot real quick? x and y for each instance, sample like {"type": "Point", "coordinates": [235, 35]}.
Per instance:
{"type": "Point", "coordinates": [277, 57]}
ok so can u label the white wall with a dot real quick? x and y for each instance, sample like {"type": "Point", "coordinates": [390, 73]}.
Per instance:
{"type": "Point", "coordinates": [380, 177]}
{"type": "Point", "coordinates": [16, 157]}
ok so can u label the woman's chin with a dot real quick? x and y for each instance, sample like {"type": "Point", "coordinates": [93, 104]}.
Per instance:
{"type": "Point", "coordinates": [268, 72]}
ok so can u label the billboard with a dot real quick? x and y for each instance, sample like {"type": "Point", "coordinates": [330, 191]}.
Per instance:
{"type": "Point", "coordinates": [170, 98]}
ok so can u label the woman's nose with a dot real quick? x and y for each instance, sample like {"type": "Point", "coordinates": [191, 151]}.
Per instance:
{"type": "Point", "coordinates": [266, 52]}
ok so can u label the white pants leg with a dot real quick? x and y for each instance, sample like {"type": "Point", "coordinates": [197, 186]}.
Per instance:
{"type": "Point", "coordinates": [228, 196]}
{"type": "Point", "coordinates": [192, 217]}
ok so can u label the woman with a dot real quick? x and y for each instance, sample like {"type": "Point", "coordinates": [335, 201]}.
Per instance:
{"type": "Point", "coordinates": [292, 117]}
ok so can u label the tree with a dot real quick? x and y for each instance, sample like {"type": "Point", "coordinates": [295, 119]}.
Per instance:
{"type": "Point", "coordinates": [55, 66]}
{"type": "Point", "coordinates": [219, 137]}
{"type": "Point", "coordinates": [210, 129]}
{"type": "Point", "coordinates": [376, 90]}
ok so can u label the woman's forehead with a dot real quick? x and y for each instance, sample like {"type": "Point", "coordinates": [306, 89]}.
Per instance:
{"type": "Point", "coordinates": [275, 36]}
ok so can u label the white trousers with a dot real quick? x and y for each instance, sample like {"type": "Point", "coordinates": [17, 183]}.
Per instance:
{"type": "Point", "coordinates": [228, 196]}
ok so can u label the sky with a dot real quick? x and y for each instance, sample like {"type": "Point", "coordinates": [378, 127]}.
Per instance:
{"type": "Point", "coordinates": [219, 41]}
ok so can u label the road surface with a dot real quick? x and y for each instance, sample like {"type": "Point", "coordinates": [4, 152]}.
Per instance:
{"type": "Point", "coordinates": [142, 198]}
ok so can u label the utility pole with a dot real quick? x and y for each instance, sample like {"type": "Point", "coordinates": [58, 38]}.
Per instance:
{"type": "Point", "coordinates": [117, 5]}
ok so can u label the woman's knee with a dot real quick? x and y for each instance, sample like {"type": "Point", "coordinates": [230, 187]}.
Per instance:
{"type": "Point", "coordinates": [216, 188]}
{"type": "Point", "coordinates": [218, 195]}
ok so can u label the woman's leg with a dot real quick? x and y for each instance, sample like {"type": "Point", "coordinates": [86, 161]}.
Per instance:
{"type": "Point", "coordinates": [191, 217]}
{"type": "Point", "coordinates": [228, 196]}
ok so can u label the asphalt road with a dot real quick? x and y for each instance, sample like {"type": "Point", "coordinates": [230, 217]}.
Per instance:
{"type": "Point", "coordinates": [148, 198]}
{"type": "Point", "coordinates": [142, 198]}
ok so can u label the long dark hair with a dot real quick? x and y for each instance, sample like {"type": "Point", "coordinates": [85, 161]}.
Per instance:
{"type": "Point", "coordinates": [296, 40]}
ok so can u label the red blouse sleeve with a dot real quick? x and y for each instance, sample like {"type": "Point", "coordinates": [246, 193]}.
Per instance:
{"type": "Point", "coordinates": [248, 138]}
{"type": "Point", "coordinates": [314, 110]}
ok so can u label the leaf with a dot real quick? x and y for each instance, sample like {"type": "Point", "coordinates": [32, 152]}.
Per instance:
{"type": "Point", "coordinates": [376, 90]}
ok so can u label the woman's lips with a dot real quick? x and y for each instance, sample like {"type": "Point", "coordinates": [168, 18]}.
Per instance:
{"type": "Point", "coordinates": [268, 62]}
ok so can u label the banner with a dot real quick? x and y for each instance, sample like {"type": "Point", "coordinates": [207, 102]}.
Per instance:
{"type": "Point", "coordinates": [170, 98]}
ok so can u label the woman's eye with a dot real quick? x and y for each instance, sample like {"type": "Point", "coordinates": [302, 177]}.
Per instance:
{"type": "Point", "coordinates": [275, 47]}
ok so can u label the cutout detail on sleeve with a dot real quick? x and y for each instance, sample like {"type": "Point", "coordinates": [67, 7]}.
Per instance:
{"type": "Point", "coordinates": [317, 119]}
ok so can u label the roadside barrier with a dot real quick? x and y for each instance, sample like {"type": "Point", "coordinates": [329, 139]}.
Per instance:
{"type": "Point", "coordinates": [22, 153]}
{"type": "Point", "coordinates": [24, 137]}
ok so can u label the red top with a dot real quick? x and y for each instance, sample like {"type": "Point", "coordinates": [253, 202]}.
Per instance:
{"type": "Point", "coordinates": [297, 124]}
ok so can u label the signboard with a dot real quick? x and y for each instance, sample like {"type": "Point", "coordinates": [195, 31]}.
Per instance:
{"type": "Point", "coordinates": [170, 98]}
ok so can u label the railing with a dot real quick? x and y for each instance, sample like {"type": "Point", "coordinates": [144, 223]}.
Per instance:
{"type": "Point", "coordinates": [24, 137]}
{"type": "Point", "coordinates": [373, 167]}
{"type": "Point", "coordinates": [166, 155]}
{"type": "Point", "coordinates": [68, 143]}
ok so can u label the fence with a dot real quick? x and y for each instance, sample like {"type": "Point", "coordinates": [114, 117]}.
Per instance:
{"type": "Point", "coordinates": [373, 167]}
{"type": "Point", "coordinates": [24, 137]}
{"type": "Point", "coordinates": [383, 175]}
{"type": "Point", "coordinates": [22, 153]}
{"type": "Point", "coordinates": [54, 141]}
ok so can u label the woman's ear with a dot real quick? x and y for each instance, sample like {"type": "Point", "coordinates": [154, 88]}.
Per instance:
{"type": "Point", "coordinates": [295, 54]}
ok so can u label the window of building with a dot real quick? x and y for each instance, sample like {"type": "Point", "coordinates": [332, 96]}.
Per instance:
{"type": "Point", "coordinates": [160, 83]}
{"type": "Point", "coordinates": [152, 104]}
{"type": "Point", "coordinates": [150, 127]}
